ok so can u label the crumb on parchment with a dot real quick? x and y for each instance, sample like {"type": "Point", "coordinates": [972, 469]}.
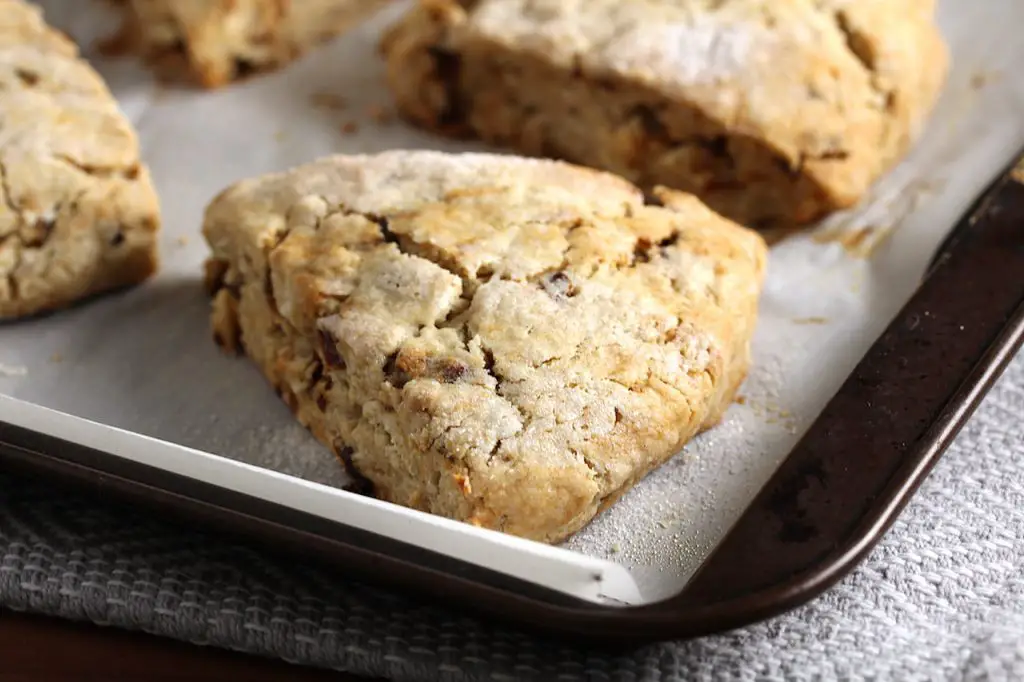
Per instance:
{"type": "Point", "coordinates": [380, 114]}
{"type": "Point", "coordinates": [982, 78]}
{"type": "Point", "coordinates": [328, 100]}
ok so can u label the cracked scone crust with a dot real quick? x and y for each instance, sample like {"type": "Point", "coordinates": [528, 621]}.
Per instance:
{"type": "Point", "coordinates": [218, 41]}
{"type": "Point", "coordinates": [774, 113]}
{"type": "Point", "coordinates": [79, 214]}
{"type": "Point", "coordinates": [508, 342]}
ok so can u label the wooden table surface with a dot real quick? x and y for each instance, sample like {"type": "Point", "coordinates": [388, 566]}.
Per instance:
{"type": "Point", "coordinates": [35, 649]}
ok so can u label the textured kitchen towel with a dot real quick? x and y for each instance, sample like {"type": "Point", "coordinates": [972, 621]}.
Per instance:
{"type": "Point", "coordinates": [942, 598]}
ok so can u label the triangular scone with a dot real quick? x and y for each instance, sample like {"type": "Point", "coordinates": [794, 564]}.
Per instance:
{"type": "Point", "coordinates": [507, 342]}
{"type": "Point", "coordinates": [79, 214]}
{"type": "Point", "coordinates": [218, 41]}
{"type": "Point", "coordinates": [773, 112]}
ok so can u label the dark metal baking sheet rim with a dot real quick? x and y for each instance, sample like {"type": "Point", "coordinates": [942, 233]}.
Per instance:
{"type": "Point", "coordinates": [826, 506]}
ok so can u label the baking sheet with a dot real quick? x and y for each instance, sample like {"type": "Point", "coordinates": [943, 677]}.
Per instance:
{"type": "Point", "coordinates": [144, 360]}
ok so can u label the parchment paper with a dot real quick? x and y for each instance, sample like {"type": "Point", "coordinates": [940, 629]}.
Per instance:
{"type": "Point", "coordinates": [144, 360]}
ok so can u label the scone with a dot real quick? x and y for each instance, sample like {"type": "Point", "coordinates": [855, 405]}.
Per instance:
{"type": "Point", "coordinates": [773, 113]}
{"type": "Point", "coordinates": [508, 342]}
{"type": "Point", "coordinates": [218, 41]}
{"type": "Point", "coordinates": [79, 214]}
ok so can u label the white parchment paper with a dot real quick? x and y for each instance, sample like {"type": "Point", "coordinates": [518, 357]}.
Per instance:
{"type": "Point", "coordinates": [144, 360]}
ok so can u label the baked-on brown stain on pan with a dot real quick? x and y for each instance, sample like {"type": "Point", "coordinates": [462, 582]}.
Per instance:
{"type": "Point", "coordinates": [829, 502]}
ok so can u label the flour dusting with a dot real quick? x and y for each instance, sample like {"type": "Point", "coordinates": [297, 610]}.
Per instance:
{"type": "Point", "coordinates": [703, 50]}
{"type": "Point", "coordinates": [12, 371]}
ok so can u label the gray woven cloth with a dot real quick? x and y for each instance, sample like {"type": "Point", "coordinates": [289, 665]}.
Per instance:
{"type": "Point", "coordinates": [942, 598]}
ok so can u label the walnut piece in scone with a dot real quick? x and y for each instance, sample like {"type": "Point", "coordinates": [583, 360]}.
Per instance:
{"type": "Point", "coordinates": [215, 42]}
{"type": "Point", "coordinates": [773, 113]}
{"type": "Point", "coordinates": [508, 342]}
{"type": "Point", "coordinates": [79, 214]}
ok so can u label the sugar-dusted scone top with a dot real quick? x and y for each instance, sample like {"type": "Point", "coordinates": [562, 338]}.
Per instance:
{"type": "Point", "coordinates": [773, 112]}
{"type": "Point", "coordinates": [217, 41]}
{"type": "Point", "coordinates": [79, 215]}
{"type": "Point", "coordinates": [507, 342]}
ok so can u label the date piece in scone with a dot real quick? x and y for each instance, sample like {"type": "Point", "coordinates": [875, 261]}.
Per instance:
{"type": "Point", "coordinates": [773, 113]}
{"type": "Point", "coordinates": [79, 214]}
{"type": "Point", "coordinates": [508, 342]}
{"type": "Point", "coordinates": [215, 42]}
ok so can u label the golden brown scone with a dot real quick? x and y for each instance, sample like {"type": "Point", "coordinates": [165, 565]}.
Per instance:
{"type": "Point", "coordinates": [217, 41]}
{"type": "Point", "coordinates": [508, 342]}
{"type": "Point", "coordinates": [79, 214]}
{"type": "Point", "coordinates": [774, 113]}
